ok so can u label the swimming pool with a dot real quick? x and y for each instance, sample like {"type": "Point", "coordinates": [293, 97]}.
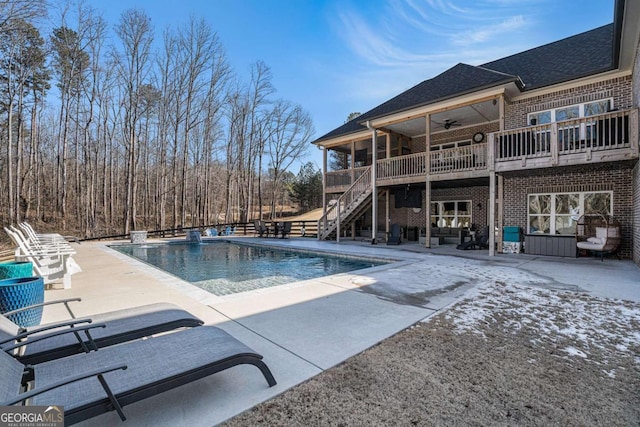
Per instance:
{"type": "Point", "coordinates": [225, 268]}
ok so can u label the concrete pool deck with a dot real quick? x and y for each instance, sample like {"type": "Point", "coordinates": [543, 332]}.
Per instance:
{"type": "Point", "coordinates": [304, 328]}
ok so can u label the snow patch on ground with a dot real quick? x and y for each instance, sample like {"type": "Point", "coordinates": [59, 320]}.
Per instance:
{"type": "Point", "coordinates": [576, 323]}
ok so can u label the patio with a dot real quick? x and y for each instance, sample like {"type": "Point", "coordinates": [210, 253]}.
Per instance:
{"type": "Point", "coordinates": [305, 328]}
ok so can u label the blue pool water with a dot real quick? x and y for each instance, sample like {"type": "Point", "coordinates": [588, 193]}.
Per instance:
{"type": "Point", "coordinates": [224, 268]}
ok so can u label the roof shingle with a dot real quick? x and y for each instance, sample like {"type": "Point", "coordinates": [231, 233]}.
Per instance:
{"type": "Point", "coordinates": [571, 58]}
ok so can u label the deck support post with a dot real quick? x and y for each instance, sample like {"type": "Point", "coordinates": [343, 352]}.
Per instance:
{"type": "Point", "coordinates": [374, 189]}
{"type": "Point", "coordinates": [427, 201]}
{"type": "Point", "coordinates": [324, 191]}
{"type": "Point", "coordinates": [427, 170]}
{"type": "Point", "coordinates": [492, 213]}
{"type": "Point", "coordinates": [500, 213]}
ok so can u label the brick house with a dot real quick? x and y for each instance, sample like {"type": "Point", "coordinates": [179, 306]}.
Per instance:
{"type": "Point", "coordinates": [527, 141]}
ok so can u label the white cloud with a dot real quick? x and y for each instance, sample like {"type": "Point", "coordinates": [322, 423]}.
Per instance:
{"type": "Point", "coordinates": [492, 32]}
{"type": "Point", "coordinates": [410, 41]}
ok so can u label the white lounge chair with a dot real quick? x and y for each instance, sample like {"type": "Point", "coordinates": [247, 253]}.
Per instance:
{"type": "Point", "coordinates": [45, 245]}
{"type": "Point", "coordinates": [52, 266]}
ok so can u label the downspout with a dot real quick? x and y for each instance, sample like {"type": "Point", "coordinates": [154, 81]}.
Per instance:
{"type": "Point", "coordinates": [374, 189]}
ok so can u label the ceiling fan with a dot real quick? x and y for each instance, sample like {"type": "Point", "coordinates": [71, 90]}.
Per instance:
{"type": "Point", "coordinates": [448, 123]}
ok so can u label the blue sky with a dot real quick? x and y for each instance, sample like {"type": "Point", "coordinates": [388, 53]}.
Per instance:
{"type": "Point", "coordinates": [335, 57]}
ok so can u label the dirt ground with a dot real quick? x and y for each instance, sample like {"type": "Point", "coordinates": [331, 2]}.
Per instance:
{"type": "Point", "coordinates": [507, 356]}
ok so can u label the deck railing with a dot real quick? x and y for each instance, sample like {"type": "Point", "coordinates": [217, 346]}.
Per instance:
{"type": "Point", "coordinates": [603, 132]}
{"type": "Point", "coordinates": [459, 159]}
{"type": "Point", "coordinates": [344, 178]}
{"type": "Point", "coordinates": [360, 188]}
{"type": "Point", "coordinates": [401, 166]}
{"type": "Point", "coordinates": [542, 144]}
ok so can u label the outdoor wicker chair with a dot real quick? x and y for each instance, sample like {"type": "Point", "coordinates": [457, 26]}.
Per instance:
{"type": "Point", "coordinates": [598, 233]}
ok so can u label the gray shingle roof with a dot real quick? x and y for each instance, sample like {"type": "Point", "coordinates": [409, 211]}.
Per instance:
{"type": "Point", "coordinates": [571, 58]}
{"type": "Point", "coordinates": [578, 56]}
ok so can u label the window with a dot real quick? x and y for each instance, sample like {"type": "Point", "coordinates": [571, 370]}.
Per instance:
{"type": "Point", "coordinates": [451, 214]}
{"type": "Point", "coordinates": [569, 134]}
{"type": "Point", "coordinates": [558, 213]}
{"type": "Point", "coordinates": [571, 112]}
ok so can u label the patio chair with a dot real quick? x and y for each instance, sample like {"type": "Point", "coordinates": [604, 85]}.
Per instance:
{"type": "Point", "coordinates": [211, 232]}
{"type": "Point", "coordinates": [275, 230]}
{"type": "Point", "coordinates": [260, 228]}
{"type": "Point", "coordinates": [52, 266]}
{"type": "Point", "coordinates": [285, 229]}
{"type": "Point", "coordinates": [46, 237]}
{"type": "Point", "coordinates": [90, 384]}
{"type": "Point", "coordinates": [598, 233]}
{"type": "Point", "coordinates": [51, 247]}
{"type": "Point", "coordinates": [54, 340]}
{"type": "Point", "coordinates": [394, 235]}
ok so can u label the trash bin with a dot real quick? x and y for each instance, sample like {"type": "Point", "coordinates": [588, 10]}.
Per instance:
{"type": "Point", "coordinates": [22, 292]}
{"type": "Point", "coordinates": [14, 269]}
{"type": "Point", "coordinates": [412, 234]}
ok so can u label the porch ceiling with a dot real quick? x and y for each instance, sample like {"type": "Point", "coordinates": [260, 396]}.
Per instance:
{"type": "Point", "coordinates": [469, 115]}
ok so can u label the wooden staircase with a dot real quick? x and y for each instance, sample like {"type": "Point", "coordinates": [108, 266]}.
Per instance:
{"type": "Point", "coordinates": [347, 208]}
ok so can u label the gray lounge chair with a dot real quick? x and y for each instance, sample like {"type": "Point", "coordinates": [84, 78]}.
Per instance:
{"type": "Point", "coordinates": [90, 384]}
{"type": "Point", "coordinates": [121, 326]}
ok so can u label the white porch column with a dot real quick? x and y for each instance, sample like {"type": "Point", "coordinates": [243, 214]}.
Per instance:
{"type": "Point", "coordinates": [492, 213]}
{"type": "Point", "coordinates": [324, 188]}
{"type": "Point", "coordinates": [353, 163]}
{"type": "Point", "coordinates": [374, 187]}
{"type": "Point", "coordinates": [427, 200]}
{"type": "Point", "coordinates": [387, 193]}
{"type": "Point", "coordinates": [500, 216]}
{"type": "Point", "coordinates": [427, 169]}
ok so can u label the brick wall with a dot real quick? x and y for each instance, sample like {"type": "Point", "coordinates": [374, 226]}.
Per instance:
{"type": "Point", "coordinates": [617, 177]}
{"type": "Point", "coordinates": [620, 89]}
{"type": "Point", "coordinates": [636, 214]}
{"type": "Point", "coordinates": [636, 170]}
{"type": "Point", "coordinates": [477, 195]}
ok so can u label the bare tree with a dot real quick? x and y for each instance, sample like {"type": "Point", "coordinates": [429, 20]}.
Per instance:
{"type": "Point", "coordinates": [13, 12]}
{"type": "Point", "coordinates": [21, 70]}
{"type": "Point", "coordinates": [167, 136]}
{"type": "Point", "coordinates": [290, 131]}
{"type": "Point", "coordinates": [136, 34]}
{"type": "Point", "coordinates": [70, 62]}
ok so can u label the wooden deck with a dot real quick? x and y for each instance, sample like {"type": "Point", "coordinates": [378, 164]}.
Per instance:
{"type": "Point", "coordinates": [604, 138]}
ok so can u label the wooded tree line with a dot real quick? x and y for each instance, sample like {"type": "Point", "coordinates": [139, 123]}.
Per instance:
{"type": "Point", "coordinates": [135, 139]}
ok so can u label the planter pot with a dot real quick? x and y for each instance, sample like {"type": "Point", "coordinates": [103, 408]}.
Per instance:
{"type": "Point", "coordinates": [14, 269]}
{"type": "Point", "coordinates": [22, 292]}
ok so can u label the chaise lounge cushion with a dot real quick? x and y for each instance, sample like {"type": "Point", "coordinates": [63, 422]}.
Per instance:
{"type": "Point", "coordinates": [153, 365]}
{"type": "Point", "coordinates": [122, 325]}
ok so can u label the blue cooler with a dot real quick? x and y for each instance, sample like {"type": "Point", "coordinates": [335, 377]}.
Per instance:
{"type": "Point", "coordinates": [512, 234]}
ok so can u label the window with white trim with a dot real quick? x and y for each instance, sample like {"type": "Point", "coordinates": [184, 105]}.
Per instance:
{"type": "Point", "coordinates": [558, 213]}
{"type": "Point", "coordinates": [454, 214]}
{"type": "Point", "coordinates": [575, 111]}
{"type": "Point", "coordinates": [570, 133]}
